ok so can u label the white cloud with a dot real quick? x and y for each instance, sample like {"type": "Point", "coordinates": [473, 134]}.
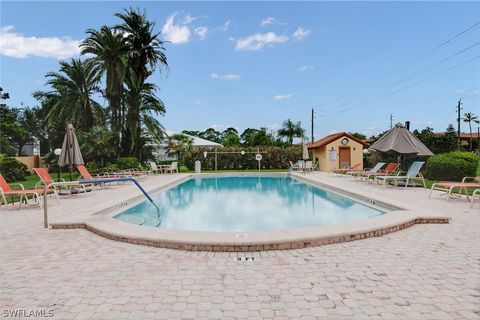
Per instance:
{"type": "Point", "coordinates": [370, 131]}
{"type": "Point", "coordinates": [198, 102]}
{"type": "Point", "coordinates": [228, 77]}
{"type": "Point", "coordinates": [201, 32]}
{"type": "Point", "coordinates": [258, 41]}
{"type": "Point", "coordinates": [271, 20]}
{"type": "Point", "coordinates": [422, 122]}
{"type": "Point", "coordinates": [176, 33]}
{"type": "Point", "coordinates": [301, 33]}
{"type": "Point", "coordinates": [188, 19]}
{"type": "Point", "coordinates": [220, 127]}
{"type": "Point", "coordinates": [273, 126]}
{"type": "Point", "coordinates": [267, 21]}
{"type": "Point", "coordinates": [231, 77]}
{"type": "Point", "coordinates": [227, 25]}
{"type": "Point", "coordinates": [282, 96]}
{"type": "Point", "coordinates": [333, 131]}
{"type": "Point", "coordinates": [467, 92]}
{"type": "Point", "coordinates": [17, 45]}
{"type": "Point", "coordinates": [306, 67]}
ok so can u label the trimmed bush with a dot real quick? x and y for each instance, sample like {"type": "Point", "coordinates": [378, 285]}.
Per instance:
{"type": "Point", "coordinates": [452, 166]}
{"type": "Point", "coordinates": [13, 170]}
{"type": "Point", "coordinates": [275, 158]}
{"type": "Point", "coordinates": [127, 163]}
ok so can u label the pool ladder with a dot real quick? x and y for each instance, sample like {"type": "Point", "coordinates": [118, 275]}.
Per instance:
{"type": "Point", "coordinates": [73, 183]}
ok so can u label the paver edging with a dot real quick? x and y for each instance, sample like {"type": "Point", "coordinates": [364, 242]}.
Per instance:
{"type": "Point", "coordinates": [259, 241]}
{"type": "Point", "coordinates": [259, 246]}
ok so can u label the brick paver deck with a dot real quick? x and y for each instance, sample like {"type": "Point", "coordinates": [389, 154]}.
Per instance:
{"type": "Point", "coordinates": [422, 272]}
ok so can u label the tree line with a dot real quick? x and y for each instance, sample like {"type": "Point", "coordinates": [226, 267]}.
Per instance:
{"type": "Point", "coordinates": [117, 64]}
{"type": "Point", "coordinates": [252, 137]}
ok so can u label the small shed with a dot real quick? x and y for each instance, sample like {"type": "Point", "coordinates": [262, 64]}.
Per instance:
{"type": "Point", "coordinates": [338, 150]}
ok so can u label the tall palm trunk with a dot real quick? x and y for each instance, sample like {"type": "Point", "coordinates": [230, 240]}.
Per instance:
{"type": "Point", "coordinates": [471, 138]}
{"type": "Point", "coordinates": [131, 135]}
{"type": "Point", "coordinates": [88, 115]}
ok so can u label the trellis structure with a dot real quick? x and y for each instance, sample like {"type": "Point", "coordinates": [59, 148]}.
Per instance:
{"type": "Point", "coordinates": [258, 155]}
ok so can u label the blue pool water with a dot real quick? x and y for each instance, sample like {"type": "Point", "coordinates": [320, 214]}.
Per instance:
{"type": "Point", "coordinates": [245, 204]}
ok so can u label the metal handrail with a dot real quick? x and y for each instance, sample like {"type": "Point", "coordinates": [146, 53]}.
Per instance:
{"type": "Point", "coordinates": [81, 182]}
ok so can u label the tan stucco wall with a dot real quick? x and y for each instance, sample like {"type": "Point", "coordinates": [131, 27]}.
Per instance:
{"type": "Point", "coordinates": [30, 162]}
{"type": "Point", "coordinates": [356, 154]}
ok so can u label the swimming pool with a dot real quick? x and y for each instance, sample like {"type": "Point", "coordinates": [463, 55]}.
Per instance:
{"type": "Point", "coordinates": [250, 203]}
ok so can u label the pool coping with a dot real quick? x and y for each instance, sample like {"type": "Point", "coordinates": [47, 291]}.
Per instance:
{"type": "Point", "coordinates": [401, 216]}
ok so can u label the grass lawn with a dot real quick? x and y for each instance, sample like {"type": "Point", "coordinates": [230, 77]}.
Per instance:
{"type": "Point", "coordinates": [32, 180]}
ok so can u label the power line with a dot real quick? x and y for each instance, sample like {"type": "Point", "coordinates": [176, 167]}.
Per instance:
{"type": "Point", "coordinates": [433, 76]}
{"type": "Point", "coordinates": [434, 65]}
{"type": "Point", "coordinates": [472, 27]}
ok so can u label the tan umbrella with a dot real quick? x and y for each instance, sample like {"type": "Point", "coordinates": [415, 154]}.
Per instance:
{"type": "Point", "coordinates": [400, 141]}
{"type": "Point", "coordinates": [70, 154]}
{"type": "Point", "coordinates": [305, 155]}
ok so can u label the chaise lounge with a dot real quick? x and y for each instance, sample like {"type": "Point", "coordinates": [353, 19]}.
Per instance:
{"type": "Point", "coordinates": [342, 171]}
{"type": "Point", "coordinates": [412, 174]}
{"type": "Point", "coordinates": [449, 186]}
{"type": "Point", "coordinates": [6, 190]}
{"type": "Point", "coordinates": [376, 168]}
{"type": "Point", "coordinates": [388, 171]}
{"type": "Point", "coordinates": [46, 180]}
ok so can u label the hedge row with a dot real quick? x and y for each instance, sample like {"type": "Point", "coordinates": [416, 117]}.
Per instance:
{"type": "Point", "coordinates": [272, 158]}
{"type": "Point", "coordinates": [452, 166]}
{"type": "Point", "coordinates": [12, 169]}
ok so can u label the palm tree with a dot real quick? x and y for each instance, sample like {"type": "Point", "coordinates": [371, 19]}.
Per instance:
{"type": "Point", "coordinates": [145, 53]}
{"type": "Point", "coordinates": [110, 53]}
{"type": "Point", "coordinates": [470, 117]}
{"type": "Point", "coordinates": [143, 106]}
{"type": "Point", "coordinates": [98, 143]}
{"type": "Point", "coordinates": [291, 130]}
{"type": "Point", "coordinates": [146, 48]}
{"type": "Point", "coordinates": [71, 98]}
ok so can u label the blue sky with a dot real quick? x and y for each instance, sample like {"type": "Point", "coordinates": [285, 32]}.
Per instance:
{"type": "Point", "coordinates": [255, 64]}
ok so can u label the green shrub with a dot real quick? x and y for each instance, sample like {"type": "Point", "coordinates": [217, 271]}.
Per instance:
{"type": "Point", "coordinates": [13, 170]}
{"type": "Point", "coordinates": [127, 163]}
{"type": "Point", "coordinates": [109, 168]}
{"type": "Point", "coordinates": [452, 166]}
{"type": "Point", "coordinates": [274, 158]}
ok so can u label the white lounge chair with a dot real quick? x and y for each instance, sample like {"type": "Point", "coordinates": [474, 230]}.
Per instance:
{"type": "Point", "coordinates": [475, 194]}
{"type": "Point", "coordinates": [154, 168]}
{"type": "Point", "coordinates": [413, 173]}
{"type": "Point", "coordinates": [295, 166]}
{"type": "Point", "coordinates": [173, 167]}
{"type": "Point", "coordinates": [308, 166]}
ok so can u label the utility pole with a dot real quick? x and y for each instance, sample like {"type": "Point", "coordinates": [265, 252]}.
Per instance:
{"type": "Point", "coordinates": [313, 117]}
{"type": "Point", "coordinates": [458, 121]}
{"type": "Point", "coordinates": [391, 121]}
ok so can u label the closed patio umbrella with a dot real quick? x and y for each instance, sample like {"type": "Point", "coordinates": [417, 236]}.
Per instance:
{"type": "Point", "coordinates": [400, 141]}
{"type": "Point", "coordinates": [305, 155]}
{"type": "Point", "coordinates": [70, 154]}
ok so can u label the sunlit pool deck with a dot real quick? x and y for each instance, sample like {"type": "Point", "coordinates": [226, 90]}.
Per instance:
{"type": "Point", "coordinates": [425, 271]}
